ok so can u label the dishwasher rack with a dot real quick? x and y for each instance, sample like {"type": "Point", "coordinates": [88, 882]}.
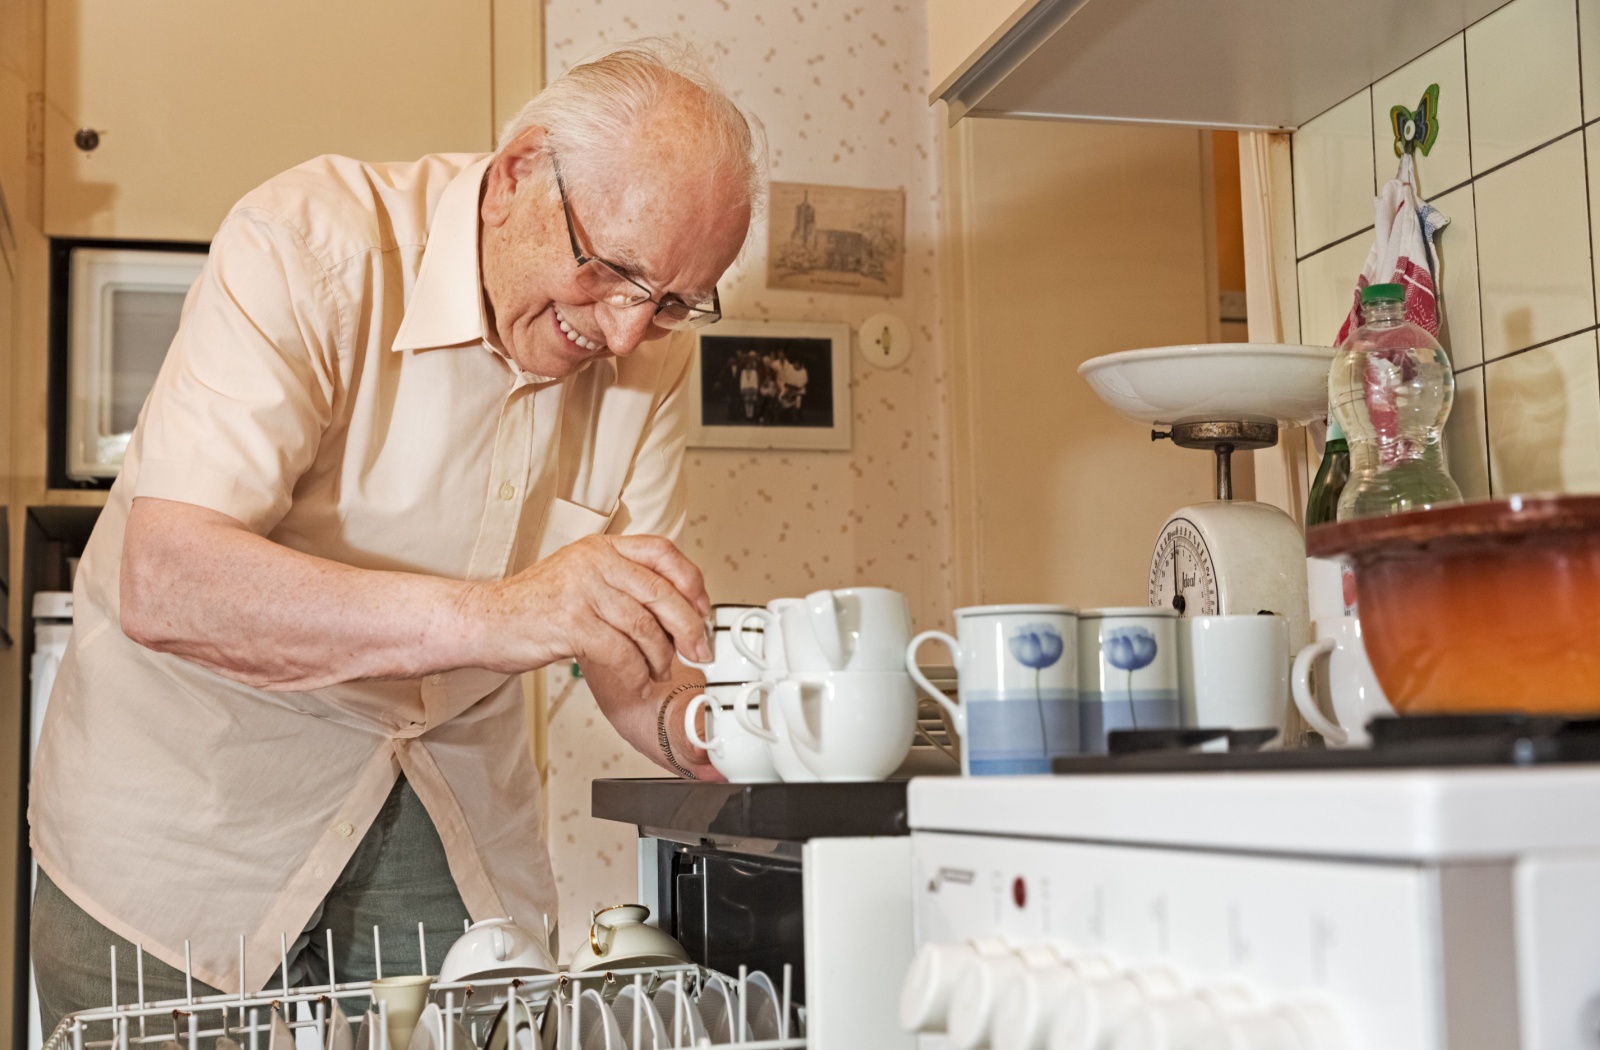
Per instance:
{"type": "Point", "coordinates": [473, 1003]}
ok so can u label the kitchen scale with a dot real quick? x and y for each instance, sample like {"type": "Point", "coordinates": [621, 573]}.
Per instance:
{"type": "Point", "coordinates": [1224, 556]}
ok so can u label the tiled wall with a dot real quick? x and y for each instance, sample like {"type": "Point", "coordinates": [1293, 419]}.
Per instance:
{"type": "Point", "coordinates": [842, 89]}
{"type": "Point", "coordinates": [1514, 167]}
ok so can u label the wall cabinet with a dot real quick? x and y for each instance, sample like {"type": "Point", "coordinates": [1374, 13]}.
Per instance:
{"type": "Point", "coordinates": [194, 102]}
{"type": "Point", "coordinates": [960, 29]}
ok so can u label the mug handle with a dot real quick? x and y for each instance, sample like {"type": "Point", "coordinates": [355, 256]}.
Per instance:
{"type": "Point", "coordinates": [957, 715]}
{"type": "Point", "coordinates": [741, 711]}
{"type": "Point", "coordinates": [822, 610]}
{"type": "Point", "coordinates": [1300, 679]}
{"type": "Point", "coordinates": [714, 747]}
{"type": "Point", "coordinates": [769, 622]}
{"type": "Point", "coordinates": [794, 716]}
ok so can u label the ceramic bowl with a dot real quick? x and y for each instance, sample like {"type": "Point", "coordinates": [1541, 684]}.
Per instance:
{"type": "Point", "coordinates": [1481, 607]}
{"type": "Point", "coordinates": [619, 938]}
{"type": "Point", "coordinates": [495, 948]}
{"type": "Point", "coordinates": [1254, 382]}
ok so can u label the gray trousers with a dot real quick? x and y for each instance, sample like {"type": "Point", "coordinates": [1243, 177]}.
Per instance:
{"type": "Point", "coordinates": [397, 877]}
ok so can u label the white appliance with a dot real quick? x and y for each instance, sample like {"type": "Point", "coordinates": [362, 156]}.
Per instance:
{"type": "Point", "coordinates": [1306, 909]}
{"type": "Point", "coordinates": [124, 310]}
{"type": "Point", "coordinates": [52, 624]}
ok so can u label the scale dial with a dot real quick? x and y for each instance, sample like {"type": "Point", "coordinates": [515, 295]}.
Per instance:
{"type": "Point", "coordinates": [1182, 574]}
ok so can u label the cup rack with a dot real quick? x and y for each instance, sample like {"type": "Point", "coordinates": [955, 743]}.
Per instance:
{"type": "Point", "coordinates": [473, 1003]}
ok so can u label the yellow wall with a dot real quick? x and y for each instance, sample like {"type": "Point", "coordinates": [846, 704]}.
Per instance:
{"type": "Point", "coordinates": [1064, 242]}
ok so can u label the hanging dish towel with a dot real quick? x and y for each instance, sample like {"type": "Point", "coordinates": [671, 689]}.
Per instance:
{"type": "Point", "coordinates": [1402, 253]}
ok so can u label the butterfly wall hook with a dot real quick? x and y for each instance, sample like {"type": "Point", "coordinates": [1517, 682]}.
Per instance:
{"type": "Point", "coordinates": [1415, 130]}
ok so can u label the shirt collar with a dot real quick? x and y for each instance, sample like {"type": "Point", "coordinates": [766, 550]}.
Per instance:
{"type": "Point", "coordinates": [446, 307]}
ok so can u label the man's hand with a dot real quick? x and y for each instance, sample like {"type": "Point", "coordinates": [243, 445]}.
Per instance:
{"type": "Point", "coordinates": [624, 604]}
{"type": "Point", "coordinates": [633, 714]}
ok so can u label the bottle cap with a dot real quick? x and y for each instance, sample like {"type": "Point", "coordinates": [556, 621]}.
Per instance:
{"type": "Point", "coordinates": [1383, 293]}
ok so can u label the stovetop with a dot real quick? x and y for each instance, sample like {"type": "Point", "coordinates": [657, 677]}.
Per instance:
{"type": "Point", "coordinates": [1413, 742]}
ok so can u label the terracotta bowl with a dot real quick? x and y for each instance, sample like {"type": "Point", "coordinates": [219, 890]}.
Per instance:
{"type": "Point", "coordinates": [1480, 607]}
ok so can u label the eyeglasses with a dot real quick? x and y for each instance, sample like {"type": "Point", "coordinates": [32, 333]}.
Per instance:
{"type": "Point", "coordinates": [608, 283]}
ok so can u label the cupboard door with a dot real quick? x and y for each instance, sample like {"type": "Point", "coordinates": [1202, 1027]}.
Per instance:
{"type": "Point", "coordinates": [195, 101]}
{"type": "Point", "coordinates": [960, 29]}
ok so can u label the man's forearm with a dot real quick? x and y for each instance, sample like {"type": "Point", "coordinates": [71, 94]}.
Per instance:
{"type": "Point", "coordinates": [198, 585]}
{"type": "Point", "coordinates": [634, 715]}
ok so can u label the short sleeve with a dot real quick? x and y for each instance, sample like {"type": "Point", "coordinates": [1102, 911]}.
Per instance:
{"type": "Point", "coordinates": [654, 500]}
{"type": "Point", "coordinates": [247, 388]}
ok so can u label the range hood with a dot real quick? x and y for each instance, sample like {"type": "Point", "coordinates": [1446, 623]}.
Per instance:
{"type": "Point", "coordinates": [1247, 64]}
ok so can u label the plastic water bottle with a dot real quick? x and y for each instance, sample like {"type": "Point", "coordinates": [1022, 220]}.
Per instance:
{"type": "Point", "coordinates": [1390, 391]}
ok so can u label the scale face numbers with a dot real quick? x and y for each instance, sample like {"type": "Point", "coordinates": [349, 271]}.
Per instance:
{"type": "Point", "coordinates": [1182, 575]}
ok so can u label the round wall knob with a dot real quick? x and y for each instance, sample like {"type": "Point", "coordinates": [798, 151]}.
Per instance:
{"type": "Point", "coordinates": [86, 139]}
{"type": "Point", "coordinates": [929, 984]}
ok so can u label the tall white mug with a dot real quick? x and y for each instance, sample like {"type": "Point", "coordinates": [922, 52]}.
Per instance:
{"type": "Point", "coordinates": [1017, 672]}
{"type": "Point", "coordinates": [1128, 672]}
{"type": "Point", "coordinates": [1357, 697]}
{"type": "Point", "coordinates": [771, 728]}
{"type": "Point", "coordinates": [1233, 671]}
{"type": "Point", "coordinates": [849, 629]}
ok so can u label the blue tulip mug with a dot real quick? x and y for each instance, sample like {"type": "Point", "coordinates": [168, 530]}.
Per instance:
{"type": "Point", "coordinates": [1017, 674]}
{"type": "Point", "coordinates": [1128, 662]}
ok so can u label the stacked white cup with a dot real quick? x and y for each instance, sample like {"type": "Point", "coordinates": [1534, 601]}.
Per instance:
{"type": "Point", "coordinates": [833, 701]}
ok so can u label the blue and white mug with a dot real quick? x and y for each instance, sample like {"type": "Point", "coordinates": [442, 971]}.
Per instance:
{"type": "Point", "coordinates": [1128, 661]}
{"type": "Point", "coordinates": [1017, 669]}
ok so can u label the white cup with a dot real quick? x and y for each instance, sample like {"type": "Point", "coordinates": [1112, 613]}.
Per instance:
{"type": "Point", "coordinates": [1233, 671]}
{"type": "Point", "coordinates": [849, 725]}
{"type": "Point", "coordinates": [403, 999]}
{"type": "Point", "coordinates": [731, 664]}
{"type": "Point", "coordinates": [1357, 697]}
{"type": "Point", "coordinates": [737, 754]}
{"type": "Point", "coordinates": [495, 948]}
{"type": "Point", "coordinates": [1127, 672]}
{"type": "Point", "coordinates": [769, 659]}
{"type": "Point", "coordinates": [850, 629]}
{"type": "Point", "coordinates": [1017, 668]}
{"type": "Point", "coordinates": [785, 760]}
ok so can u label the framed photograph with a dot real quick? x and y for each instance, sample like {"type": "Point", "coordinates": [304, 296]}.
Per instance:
{"type": "Point", "coordinates": [835, 239]}
{"type": "Point", "coordinates": [771, 384]}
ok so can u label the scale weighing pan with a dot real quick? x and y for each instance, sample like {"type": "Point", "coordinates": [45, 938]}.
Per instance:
{"type": "Point", "coordinates": [1272, 383]}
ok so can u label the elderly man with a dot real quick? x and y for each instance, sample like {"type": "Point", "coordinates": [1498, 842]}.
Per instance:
{"type": "Point", "coordinates": [416, 435]}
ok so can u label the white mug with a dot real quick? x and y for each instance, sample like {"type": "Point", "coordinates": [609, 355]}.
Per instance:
{"type": "Point", "coordinates": [785, 760]}
{"type": "Point", "coordinates": [736, 753]}
{"type": "Point", "coordinates": [1233, 671]}
{"type": "Point", "coordinates": [850, 629]}
{"type": "Point", "coordinates": [770, 658]}
{"type": "Point", "coordinates": [1357, 697]}
{"type": "Point", "coordinates": [732, 664]}
{"type": "Point", "coordinates": [1017, 667]}
{"type": "Point", "coordinates": [1128, 671]}
{"type": "Point", "coordinates": [849, 725]}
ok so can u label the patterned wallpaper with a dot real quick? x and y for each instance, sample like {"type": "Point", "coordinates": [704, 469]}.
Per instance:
{"type": "Point", "coordinates": [842, 90]}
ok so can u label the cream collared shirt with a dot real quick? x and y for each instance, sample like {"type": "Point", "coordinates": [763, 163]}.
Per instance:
{"type": "Point", "coordinates": [331, 387]}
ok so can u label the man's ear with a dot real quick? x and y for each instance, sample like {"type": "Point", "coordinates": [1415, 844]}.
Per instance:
{"type": "Point", "coordinates": [516, 168]}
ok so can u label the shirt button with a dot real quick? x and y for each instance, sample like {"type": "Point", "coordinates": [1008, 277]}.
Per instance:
{"type": "Point", "coordinates": [507, 490]}
{"type": "Point", "coordinates": [345, 830]}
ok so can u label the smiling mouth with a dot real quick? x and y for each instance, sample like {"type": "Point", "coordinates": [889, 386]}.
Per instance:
{"type": "Point", "coordinates": [572, 334]}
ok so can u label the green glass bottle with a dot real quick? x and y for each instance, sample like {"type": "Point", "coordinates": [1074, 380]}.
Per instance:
{"type": "Point", "coordinates": [1323, 506]}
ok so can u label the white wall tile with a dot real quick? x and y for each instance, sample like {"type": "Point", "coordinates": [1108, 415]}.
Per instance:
{"type": "Point", "coordinates": [1466, 439]}
{"type": "Point", "coordinates": [1457, 245]}
{"type": "Point", "coordinates": [1522, 78]}
{"type": "Point", "coordinates": [1544, 419]}
{"type": "Point", "coordinates": [1448, 163]}
{"type": "Point", "coordinates": [1589, 55]}
{"type": "Point", "coordinates": [1328, 289]}
{"type": "Point", "coordinates": [1333, 185]}
{"type": "Point", "coordinates": [1534, 272]}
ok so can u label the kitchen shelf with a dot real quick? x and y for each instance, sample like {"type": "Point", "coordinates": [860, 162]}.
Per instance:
{"type": "Point", "coordinates": [1248, 64]}
{"type": "Point", "coordinates": [779, 812]}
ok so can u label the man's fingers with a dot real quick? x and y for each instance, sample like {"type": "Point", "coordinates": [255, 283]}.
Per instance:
{"type": "Point", "coordinates": [680, 619]}
{"type": "Point", "coordinates": [640, 625]}
{"type": "Point", "coordinates": [664, 558]}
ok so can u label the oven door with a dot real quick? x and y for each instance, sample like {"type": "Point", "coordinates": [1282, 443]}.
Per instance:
{"type": "Point", "coordinates": [125, 307]}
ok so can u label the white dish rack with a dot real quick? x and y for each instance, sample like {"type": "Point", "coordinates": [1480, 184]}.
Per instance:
{"type": "Point", "coordinates": [248, 1018]}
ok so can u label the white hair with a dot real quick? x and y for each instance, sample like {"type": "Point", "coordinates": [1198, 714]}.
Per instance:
{"type": "Point", "coordinates": [589, 112]}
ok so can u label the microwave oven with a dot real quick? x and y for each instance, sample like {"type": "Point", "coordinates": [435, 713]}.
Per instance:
{"type": "Point", "coordinates": [115, 310]}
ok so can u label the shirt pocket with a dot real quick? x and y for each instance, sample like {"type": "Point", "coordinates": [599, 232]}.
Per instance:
{"type": "Point", "coordinates": [567, 522]}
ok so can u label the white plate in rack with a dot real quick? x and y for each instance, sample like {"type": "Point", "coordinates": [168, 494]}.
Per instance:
{"type": "Point", "coordinates": [1215, 382]}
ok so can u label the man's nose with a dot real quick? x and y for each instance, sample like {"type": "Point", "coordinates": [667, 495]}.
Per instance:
{"type": "Point", "coordinates": [626, 326]}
